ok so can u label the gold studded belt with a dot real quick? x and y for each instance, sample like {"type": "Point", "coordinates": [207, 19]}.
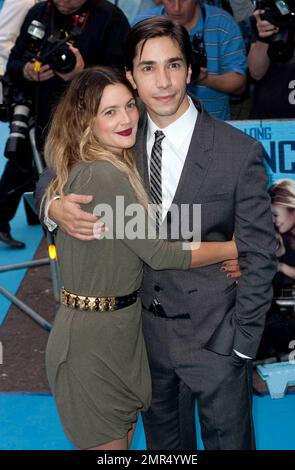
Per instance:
{"type": "Point", "coordinates": [97, 304]}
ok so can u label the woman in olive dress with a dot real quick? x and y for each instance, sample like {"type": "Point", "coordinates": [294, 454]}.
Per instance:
{"type": "Point", "coordinates": [96, 358]}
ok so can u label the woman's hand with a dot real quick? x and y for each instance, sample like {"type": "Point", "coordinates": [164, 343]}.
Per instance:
{"type": "Point", "coordinates": [231, 268]}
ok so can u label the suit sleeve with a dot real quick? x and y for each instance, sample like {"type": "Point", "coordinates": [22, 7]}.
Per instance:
{"type": "Point", "coordinates": [255, 238]}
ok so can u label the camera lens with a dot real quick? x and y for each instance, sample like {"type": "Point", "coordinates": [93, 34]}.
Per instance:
{"type": "Point", "coordinates": [62, 60]}
{"type": "Point", "coordinates": [19, 131]}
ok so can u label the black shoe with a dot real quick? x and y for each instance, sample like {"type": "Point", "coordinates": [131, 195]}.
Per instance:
{"type": "Point", "coordinates": [9, 241]}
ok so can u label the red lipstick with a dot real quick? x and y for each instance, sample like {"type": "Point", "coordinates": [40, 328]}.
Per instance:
{"type": "Point", "coordinates": [125, 133]}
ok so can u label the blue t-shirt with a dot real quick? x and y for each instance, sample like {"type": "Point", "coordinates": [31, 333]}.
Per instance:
{"type": "Point", "coordinates": [225, 53]}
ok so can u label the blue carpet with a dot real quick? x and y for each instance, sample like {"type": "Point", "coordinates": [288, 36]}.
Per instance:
{"type": "Point", "coordinates": [31, 235]}
{"type": "Point", "coordinates": [40, 429]}
{"type": "Point", "coordinates": [273, 421]}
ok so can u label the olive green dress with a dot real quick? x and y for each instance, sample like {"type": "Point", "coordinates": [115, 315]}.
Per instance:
{"type": "Point", "coordinates": [96, 362]}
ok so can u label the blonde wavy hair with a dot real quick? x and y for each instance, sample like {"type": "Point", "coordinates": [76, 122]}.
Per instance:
{"type": "Point", "coordinates": [282, 193]}
{"type": "Point", "coordinates": [71, 139]}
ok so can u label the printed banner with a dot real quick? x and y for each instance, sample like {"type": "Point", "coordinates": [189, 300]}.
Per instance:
{"type": "Point", "coordinates": [278, 140]}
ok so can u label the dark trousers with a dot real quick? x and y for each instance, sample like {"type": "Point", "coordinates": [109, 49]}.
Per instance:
{"type": "Point", "coordinates": [16, 179]}
{"type": "Point", "coordinates": [183, 371]}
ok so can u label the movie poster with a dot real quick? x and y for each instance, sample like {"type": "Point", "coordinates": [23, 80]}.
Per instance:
{"type": "Point", "coordinates": [278, 140]}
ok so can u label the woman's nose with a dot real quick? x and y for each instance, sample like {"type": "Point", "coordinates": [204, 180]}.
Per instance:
{"type": "Point", "coordinates": [125, 117]}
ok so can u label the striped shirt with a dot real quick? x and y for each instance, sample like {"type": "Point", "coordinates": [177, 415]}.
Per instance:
{"type": "Point", "coordinates": [225, 53]}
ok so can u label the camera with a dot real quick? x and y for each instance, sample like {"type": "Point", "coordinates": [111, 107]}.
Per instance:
{"type": "Point", "coordinates": [53, 51]}
{"type": "Point", "coordinates": [280, 13]}
{"type": "Point", "coordinates": [199, 55]}
{"type": "Point", "coordinates": [16, 109]}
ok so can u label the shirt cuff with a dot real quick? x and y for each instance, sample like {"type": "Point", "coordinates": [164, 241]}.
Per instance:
{"type": "Point", "coordinates": [49, 223]}
{"type": "Point", "coordinates": [242, 355]}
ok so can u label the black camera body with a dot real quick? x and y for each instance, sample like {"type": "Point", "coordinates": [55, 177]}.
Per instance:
{"type": "Point", "coordinates": [280, 13]}
{"type": "Point", "coordinates": [53, 51]}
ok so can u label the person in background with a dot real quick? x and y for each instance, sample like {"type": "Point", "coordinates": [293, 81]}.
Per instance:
{"type": "Point", "coordinates": [12, 14]}
{"type": "Point", "coordinates": [224, 71]}
{"type": "Point", "coordinates": [102, 29]}
{"type": "Point", "coordinates": [280, 326]}
{"type": "Point", "coordinates": [273, 77]}
{"type": "Point", "coordinates": [282, 194]}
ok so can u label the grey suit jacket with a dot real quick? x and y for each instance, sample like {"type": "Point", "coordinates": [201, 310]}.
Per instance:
{"type": "Point", "coordinates": [224, 172]}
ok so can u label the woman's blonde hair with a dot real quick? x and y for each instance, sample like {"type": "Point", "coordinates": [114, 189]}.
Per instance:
{"type": "Point", "coordinates": [282, 193]}
{"type": "Point", "coordinates": [71, 139]}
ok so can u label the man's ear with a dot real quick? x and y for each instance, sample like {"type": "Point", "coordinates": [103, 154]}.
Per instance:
{"type": "Point", "coordinates": [129, 77]}
{"type": "Point", "coordinates": [189, 74]}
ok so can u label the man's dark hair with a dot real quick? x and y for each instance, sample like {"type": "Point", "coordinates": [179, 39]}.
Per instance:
{"type": "Point", "coordinates": [154, 27]}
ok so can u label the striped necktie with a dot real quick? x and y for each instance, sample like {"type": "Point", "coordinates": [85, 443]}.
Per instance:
{"type": "Point", "coordinates": [156, 176]}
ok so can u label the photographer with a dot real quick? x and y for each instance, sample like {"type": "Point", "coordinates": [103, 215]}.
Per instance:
{"type": "Point", "coordinates": [272, 62]}
{"type": "Point", "coordinates": [58, 38]}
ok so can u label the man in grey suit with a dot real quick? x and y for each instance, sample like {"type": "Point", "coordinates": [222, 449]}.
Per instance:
{"type": "Point", "coordinates": [201, 327]}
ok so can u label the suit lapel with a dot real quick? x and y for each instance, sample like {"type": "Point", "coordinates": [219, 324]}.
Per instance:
{"type": "Point", "coordinates": [198, 160]}
{"type": "Point", "coordinates": [142, 157]}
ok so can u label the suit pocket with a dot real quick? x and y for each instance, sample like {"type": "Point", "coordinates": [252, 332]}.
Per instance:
{"type": "Point", "coordinates": [221, 340]}
{"type": "Point", "coordinates": [216, 197]}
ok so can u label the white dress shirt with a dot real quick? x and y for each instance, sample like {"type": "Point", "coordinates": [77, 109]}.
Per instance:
{"type": "Point", "coordinates": [175, 147]}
